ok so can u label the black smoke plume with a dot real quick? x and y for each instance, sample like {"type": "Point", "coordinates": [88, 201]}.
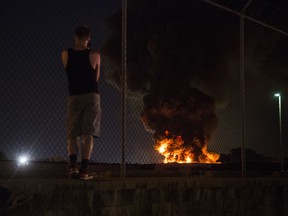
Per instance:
{"type": "Point", "coordinates": [180, 56]}
{"type": "Point", "coordinates": [173, 47]}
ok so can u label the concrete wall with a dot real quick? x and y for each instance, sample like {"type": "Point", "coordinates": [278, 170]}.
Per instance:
{"type": "Point", "coordinates": [201, 196]}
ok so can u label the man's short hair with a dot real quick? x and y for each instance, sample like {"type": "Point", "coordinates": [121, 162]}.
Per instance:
{"type": "Point", "coordinates": [83, 31]}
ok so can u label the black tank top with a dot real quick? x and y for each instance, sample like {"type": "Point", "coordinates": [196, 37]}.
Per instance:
{"type": "Point", "coordinates": [80, 73]}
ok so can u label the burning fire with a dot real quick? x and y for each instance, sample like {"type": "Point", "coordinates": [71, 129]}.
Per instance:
{"type": "Point", "coordinates": [174, 150]}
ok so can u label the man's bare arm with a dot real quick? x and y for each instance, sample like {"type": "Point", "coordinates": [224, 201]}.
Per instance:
{"type": "Point", "coordinates": [95, 61]}
{"type": "Point", "coordinates": [64, 57]}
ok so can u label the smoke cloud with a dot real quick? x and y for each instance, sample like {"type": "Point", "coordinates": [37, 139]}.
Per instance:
{"type": "Point", "coordinates": [168, 39]}
{"type": "Point", "coordinates": [171, 55]}
{"type": "Point", "coordinates": [183, 58]}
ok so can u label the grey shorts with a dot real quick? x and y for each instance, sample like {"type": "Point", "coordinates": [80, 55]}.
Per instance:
{"type": "Point", "coordinates": [83, 115]}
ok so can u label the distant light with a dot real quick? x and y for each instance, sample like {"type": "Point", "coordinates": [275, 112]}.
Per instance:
{"type": "Point", "coordinates": [23, 160]}
{"type": "Point", "coordinates": [277, 95]}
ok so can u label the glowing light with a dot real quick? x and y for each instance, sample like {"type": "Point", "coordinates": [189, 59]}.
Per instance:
{"type": "Point", "coordinates": [277, 95]}
{"type": "Point", "coordinates": [23, 160]}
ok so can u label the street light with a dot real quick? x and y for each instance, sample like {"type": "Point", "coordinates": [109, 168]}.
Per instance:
{"type": "Point", "coordinates": [23, 160]}
{"type": "Point", "coordinates": [280, 130]}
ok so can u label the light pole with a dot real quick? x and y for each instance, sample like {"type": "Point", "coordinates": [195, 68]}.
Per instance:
{"type": "Point", "coordinates": [280, 130]}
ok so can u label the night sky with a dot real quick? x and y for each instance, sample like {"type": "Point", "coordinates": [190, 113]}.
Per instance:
{"type": "Point", "coordinates": [195, 42]}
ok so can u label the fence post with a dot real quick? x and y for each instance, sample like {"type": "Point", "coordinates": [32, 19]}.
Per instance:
{"type": "Point", "coordinates": [124, 85]}
{"type": "Point", "coordinates": [242, 96]}
{"type": "Point", "coordinates": [242, 87]}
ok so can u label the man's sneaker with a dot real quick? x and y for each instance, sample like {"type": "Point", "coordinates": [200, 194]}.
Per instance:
{"type": "Point", "coordinates": [85, 174]}
{"type": "Point", "coordinates": [73, 173]}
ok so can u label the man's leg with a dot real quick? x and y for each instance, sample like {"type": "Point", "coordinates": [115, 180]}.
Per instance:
{"type": "Point", "coordinates": [86, 150]}
{"type": "Point", "coordinates": [72, 149]}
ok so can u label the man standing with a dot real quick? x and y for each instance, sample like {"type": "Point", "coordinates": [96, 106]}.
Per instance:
{"type": "Point", "coordinates": [83, 108]}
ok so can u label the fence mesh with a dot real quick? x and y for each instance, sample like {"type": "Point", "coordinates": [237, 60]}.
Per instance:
{"type": "Point", "coordinates": [183, 79]}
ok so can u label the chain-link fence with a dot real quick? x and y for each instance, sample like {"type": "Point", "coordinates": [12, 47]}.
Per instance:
{"type": "Point", "coordinates": [33, 81]}
{"type": "Point", "coordinates": [188, 101]}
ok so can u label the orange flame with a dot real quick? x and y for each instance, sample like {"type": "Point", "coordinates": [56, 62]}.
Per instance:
{"type": "Point", "coordinates": [174, 151]}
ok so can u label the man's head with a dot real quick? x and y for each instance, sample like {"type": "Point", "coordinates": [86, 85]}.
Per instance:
{"type": "Point", "coordinates": [82, 33]}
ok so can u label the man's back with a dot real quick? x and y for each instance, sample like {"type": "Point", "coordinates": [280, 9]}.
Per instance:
{"type": "Point", "coordinates": [81, 75]}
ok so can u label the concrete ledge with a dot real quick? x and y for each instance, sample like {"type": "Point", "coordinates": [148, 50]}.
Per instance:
{"type": "Point", "coordinates": [59, 170]}
{"type": "Point", "coordinates": [194, 190]}
{"type": "Point", "coordinates": [153, 196]}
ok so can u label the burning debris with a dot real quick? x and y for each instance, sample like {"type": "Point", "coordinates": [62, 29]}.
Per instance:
{"type": "Point", "coordinates": [182, 123]}
{"type": "Point", "coordinates": [174, 150]}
